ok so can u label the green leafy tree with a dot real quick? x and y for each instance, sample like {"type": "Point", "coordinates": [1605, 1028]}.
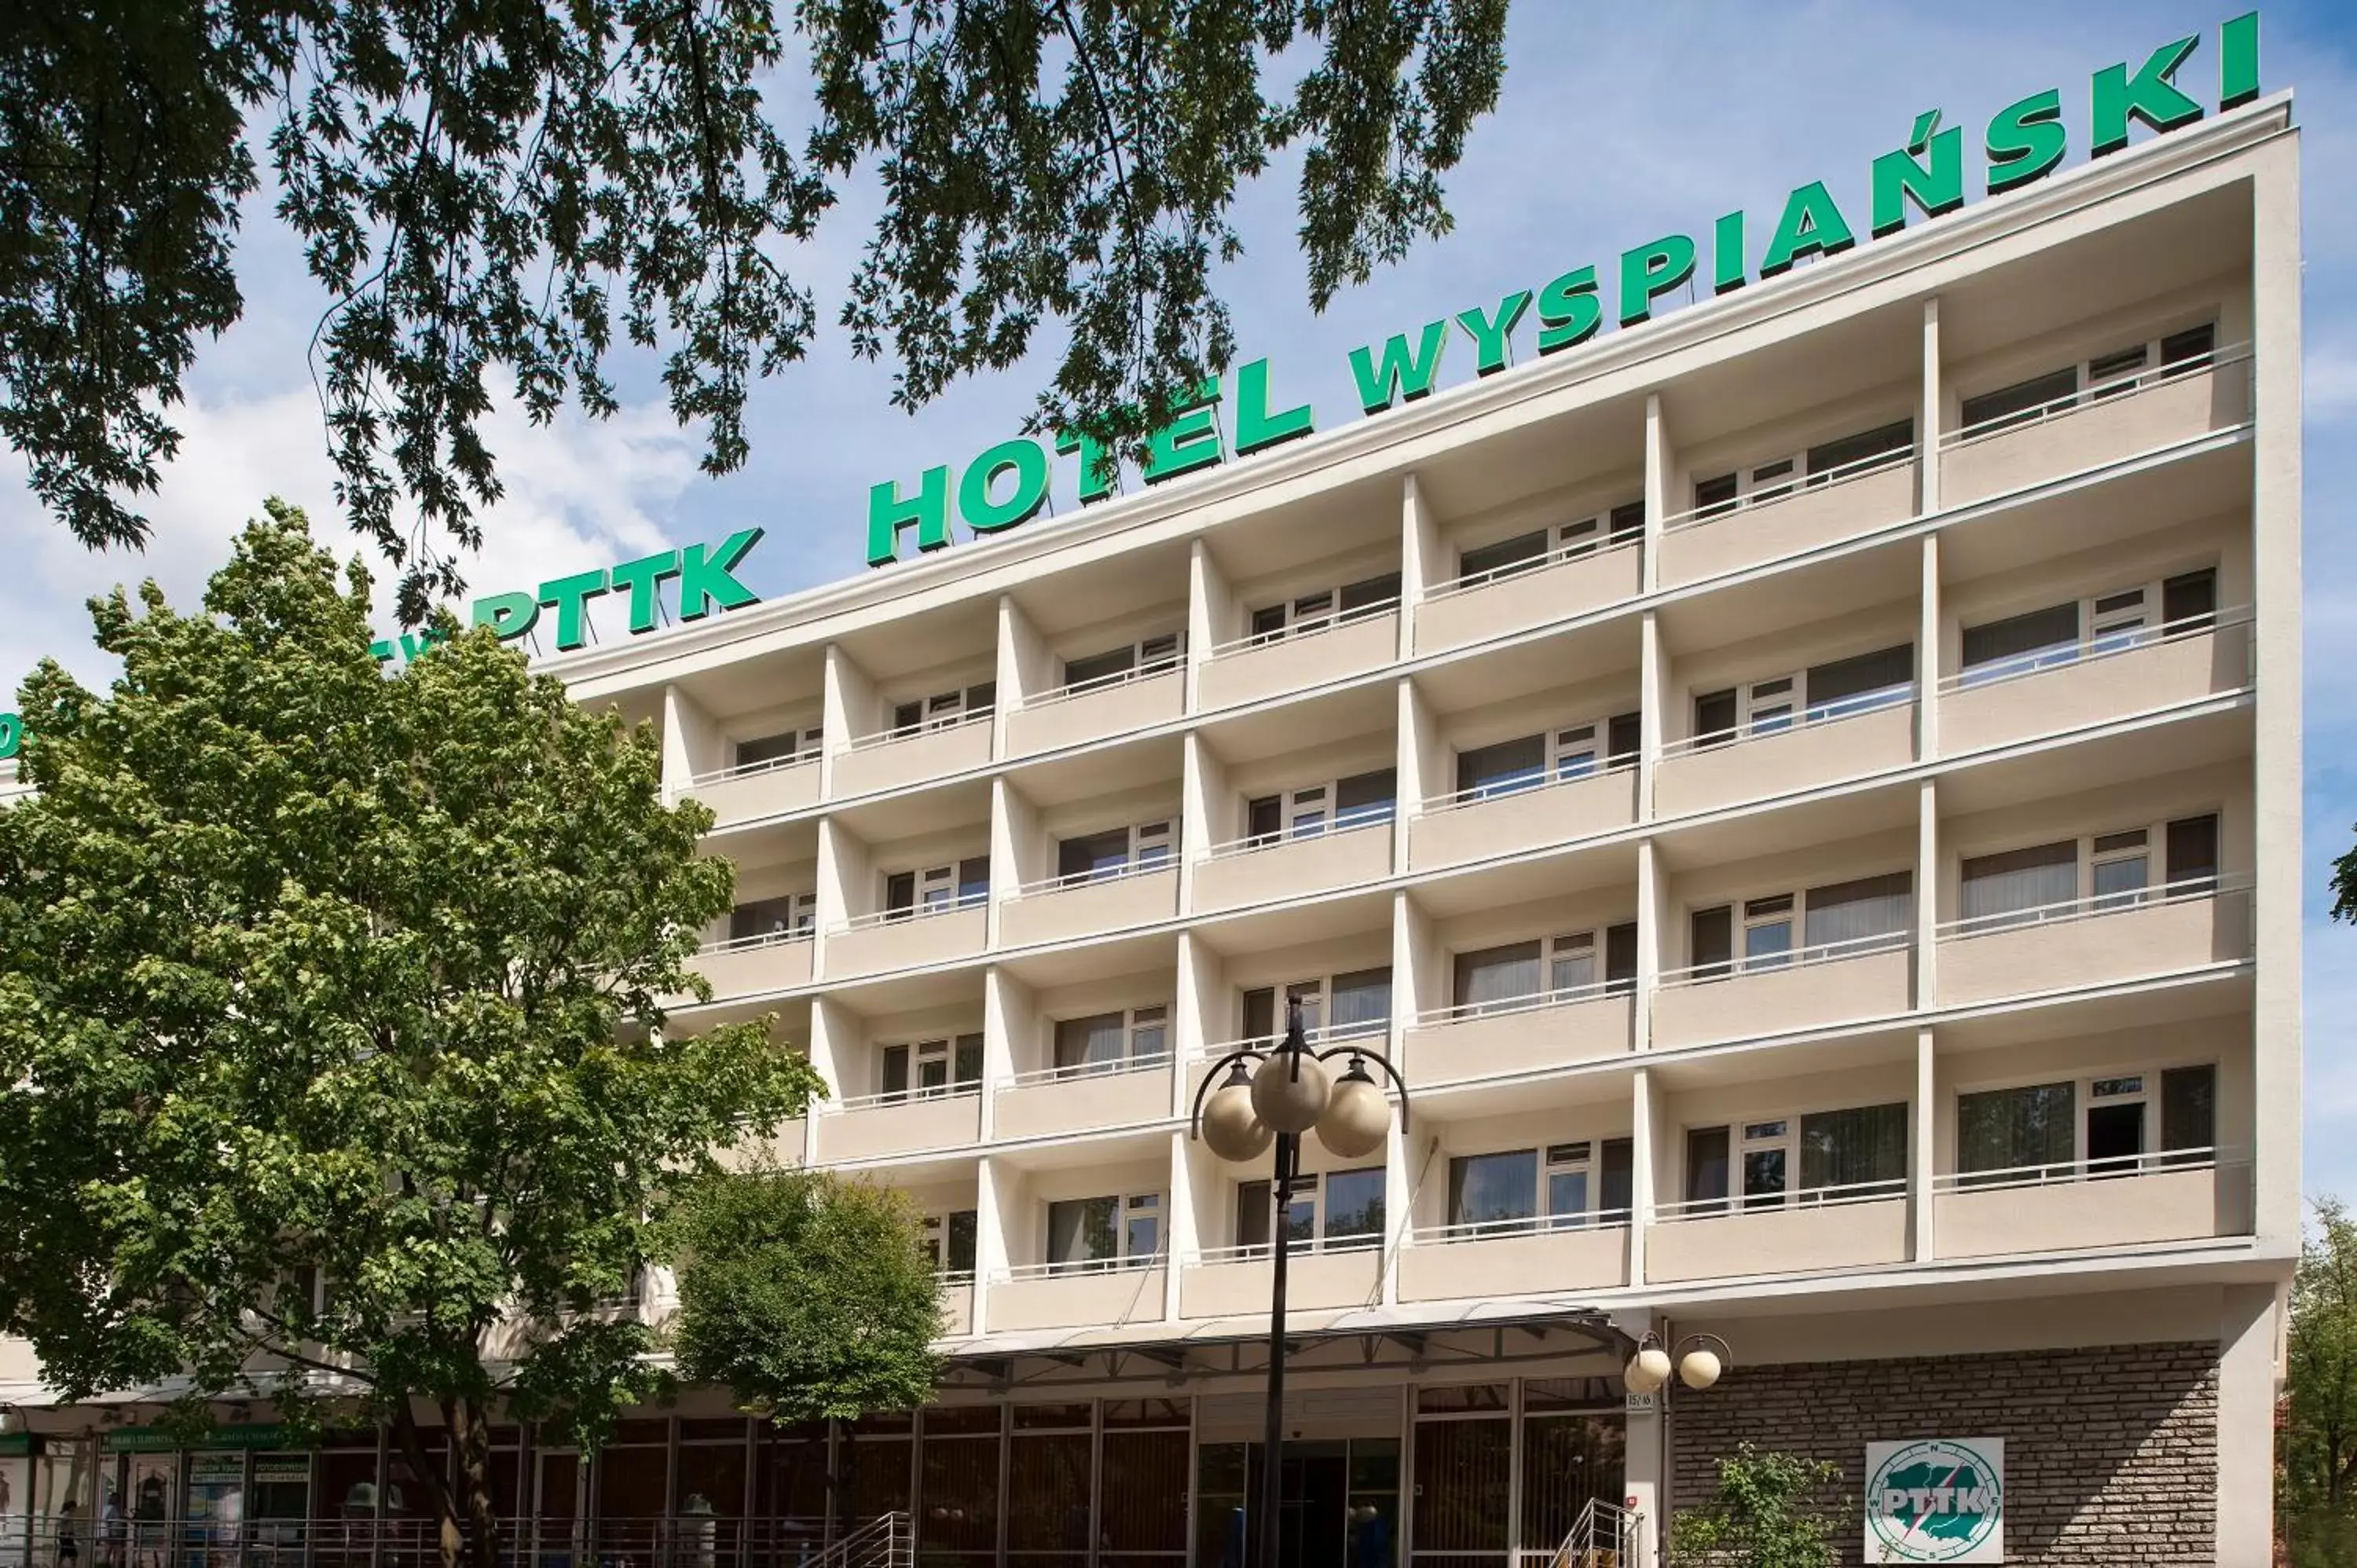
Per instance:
{"type": "Point", "coordinates": [2316, 1451]}
{"type": "Point", "coordinates": [490, 194]}
{"type": "Point", "coordinates": [1770, 1511]}
{"type": "Point", "coordinates": [331, 1024]}
{"type": "Point", "coordinates": [809, 1294]}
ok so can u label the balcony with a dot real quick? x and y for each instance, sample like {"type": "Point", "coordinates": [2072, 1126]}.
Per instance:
{"type": "Point", "coordinates": [1528, 1034]}
{"type": "Point", "coordinates": [906, 938]}
{"type": "Point", "coordinates": [1234, 1281]}
{"type": "Point", "coordinates": [758, 789]}
{"type": "Point", "coordinates": [1863, 735]}
{"type": "Point", "coordinates": [1087, 1098]}
{"type": "Point", "coordinates": [1089, 903]}
{"type": "Point", "coordinates": [1806, 988]}
{"type": "Point", "coordinates": [1858, 1227]}
{"type": "Point", "coordinates": [957, 1306]}
{"type": "Point", "coordinates": [898, 758]}
{"type": "Point", "coordinates": [2185, 1195]}
{"type": "Point", "coordinates": [2094, 941]}
{"type": "Point", "coordinates": [1356, 848]}
{"type": "Point", "coordinates": [1150, 695]}
{"type": "Point", "coordinates": [913, 1122]}
{"type": "Point", "coordinates": [2087, 429]}
{"type": "Point", "coordinates": [1090, 1295]}
{"type": "Point", "coordinates": [2055, 691]}
{"type": "Point", "coordinates": [753, 966]}
{"type": "Point", "coordinates": [1571, 580]}
{"type": "Point", "coordinates": [1542, 1255]}
{"type": "Point", "coordinates": [1487, 822]}
{"type": "Point", "coordinates": [1847, 502]}
{"type": "Point", "coordinates": [1268, 664]}
{"type": "Point", "coordinates": [788, 1148]}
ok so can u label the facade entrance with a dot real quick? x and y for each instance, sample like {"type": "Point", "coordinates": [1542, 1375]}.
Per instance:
{"type": "Point", "coordinates": [1339, 1508]}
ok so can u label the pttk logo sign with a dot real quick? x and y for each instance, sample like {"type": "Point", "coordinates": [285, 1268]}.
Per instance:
{"type": "Point", "coordinates": [1938, 1500]}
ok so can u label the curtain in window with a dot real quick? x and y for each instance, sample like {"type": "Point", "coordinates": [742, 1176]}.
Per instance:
{"type": "Point", "coordinates": [2188, 1108]}
{"type": "Point", "coordinates": [1082, 1042]}
{"type": "Point", "coordinates": [1497, 974]}
{"type": "Point", "coordinates": [1847, 685]}
{"type": "Point", "coordinates": [2019, 636]}
{"type": "Point", "coordinates": [1487, 1188]}
{"type": "Point", "coordinates": [1362, 1003]}
{"type": "Point", "coordinates": [1080, 1230]}
{"type": "Point", "coordinates": [1996, 885]}
{"type": "Point", "coordinates": [1854, 912]}
{"type": "Point", "coordinates": [2008, 1129]}
{"type": "Point", "coordinates": [1849, 1148]}
{"type": "Point", "coordinates": [1508, 766]}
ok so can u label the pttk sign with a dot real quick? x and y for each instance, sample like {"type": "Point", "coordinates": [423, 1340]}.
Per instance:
{"type": "Point", "coordinates": [1937, 1500]}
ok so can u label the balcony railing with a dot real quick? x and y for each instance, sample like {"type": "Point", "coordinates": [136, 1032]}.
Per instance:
{"type": "Point", "coordinates": [1520, 1225]}
{"type": "Point", "coordinates": [800, 934]}
{"type": "Point", "coordinates": [1093, 876]}
{"type": "Point", "coordinates": [1369, 1029]}
{"type": "Point", "coordinates": [1798, 485]}
{"type": "Point", "coordinates": [924, 726]}
{"type": "Point", "coordinates": [1299, 1246]}
{"type": "Point", "coordinates": [1574, 551]}
{"type": "Point", "coordinates": [1502, 790]}
{"type": "Point", "coordinates": [747, 770]}
{"type": "Point", "coordinates": [1068, 1268]}
{"type": "Point", "coordinates": [1529, 1002]}
{"type": "Point", "coordinates": [1830, 1197]}
{"type": "Point", "coordinates": [1095, 683]}
{"type": "Point", "coordinates": [1368, 816]}
{"type": "Point", "coordinates": [2111, 1168]}
{"type": "Point", "coordinates": [692, 1541]}
{"type": "Point", "coordinates": [1788, 958]}
{"type": "Point", "coordinates": [967, 1089]}
{"type": "Point", "coordinates": [1855, 705]}
{"type": "Point", "coordinates": [2077, 651]}
{"type": "Point", "coordinates": [2184, 890]}
{"type": "Point", "coordinates": [2098, 393]}
{"type": "Point", "coordinates": [1302, 628]}
{"type": "Point", "coordinates": [875, 918]}
{"type": "Point", "coordinates": [1071, 1072]}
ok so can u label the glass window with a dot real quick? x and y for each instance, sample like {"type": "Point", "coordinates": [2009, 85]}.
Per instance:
{"type": "Point", "coordinates": [2003, 889]}
{"type": "Point", "coordinates": [1715, 716]}
{"type": "Point", "coordinates": [2023, 643]}
{"type": "Point", "coordinates": [973, 880]}
{"type": "Point", "coordinates": [1371, 596]}
{"type": "Point", "coordinates": [1081, 1230]}
{"type": "Point", "coordinates": [1621, 958]}
{"type": "Point", "coordinates": [1366, 797]}
{"type": "Point", "coordinates": [786, 915]}
{"type": "Point", "coordinates": [1569, 1167]}
{"type": "Point", "coordinates": [790, 746]}
{"type": "Point", "coordinates": [1617, 1177]}
{"type": "Point", "coordinates": [901, 892]}
{"type": "Point", "coordinates": [1491, 1189]}
{"type": "Point", "coordinates": [2108, 375]}
{"type": "Point", "coordinates": [1142, 1234]}
{"type": "Point", "coordinates": [1097, 1041]}
{"type": "Point", "coordinates": [2026, 1131]}
{"type": "Point", "coordinates": [1503, 769]}
{"type": "Point", "coordinates": [1705, 1168]}
{"type": "Point", "coordinates": [1713, 941]}
{"type": "Point", "coordinates": [2189, 601]}
{"type": "Point", "coordinates": [2118, 619]}
{"type": "Point", "coordinates": [1624, 735]}
{"type": "Point", "coordinates": [1495, 975]}
{"type": "Point", "coordinates": [1571, 964]}
{"type": "Point", "coordinates": [1853, 453]}
{"type": "Point", "coordinates": [1850, 916]}
{"type": "Point", "coordinates": [1362, 1003]}
{"type": "Point", "coordinates": [1099, 669]}
{"type": "Point", "coordinates": [2193, 854]}
{"type": "Point", "coordinates": [1768, 932]}
{"type": "Point", "coordinates": [1354, 1206]}
{"type": "Point", "coordinates": [2188, 1108]}
{"type": "Point", "coordinates": [1092, 854]}
{"type": "Point", "coordinates": [2189, 350]}
{"type": "Point", "coordinates": [2122, 869]}
{"type": "Point", "coordinates": [1505, 557]}
{"type": "Point", "coordinates": [1860, 1147]}
{"type": "Point", "coordinates": [1714, 496]}
{"type": "Point", "coordinates": [2020, 401]}
{"type": "Point", "coordinates": [1861, 683]}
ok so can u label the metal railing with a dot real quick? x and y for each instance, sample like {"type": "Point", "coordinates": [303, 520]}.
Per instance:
{"type": "Point", "coordinates": [2100, 392]}
{"type": "Point", "coordinates": [1095, 874]}
{"type": "Point", "coordinates": [1578, 549]}
{"type": "Point", "coordinates": [1789, 958]}
{"type": "Point", "coordinates": [1068, 1268]}
{"type": "Point", "coordinates": [2185, 890]}
{"type": "Point", "coordinates": [1879, 700]}
{"type": "Point", "coordinates": [1299, 1246]}
{"type": "Point", "coordinates": [968, 1088]}
{"type": "Point", "coordinates": [1519, 1225]}
{"type": "Point", "coordinates": [1530, 1002]}
{"type": "Point", "coordinates": [1357, 817]}
{"type": "Point", "coordinates": [1070, 1070]}
{"type": "Point", "coordinates": [747, 769]}
{"type": "Point", "coordinates": [1787, 488]}
{"type": "Point", "coordinates": [1605, 1535]}
{"type": "Point", "coordinates": [921, 911]}
{"type": "Point", "coordinates": [1373, 1031]}
{"type": "Point", "coordinates": [800, 933]}
{"type": "Point", "coordinates": [692, 1541]}
{"type": "Point", "coordinates": [1505, 790]}
{"type": "Point", "coordinates": [2086, 651]}
{"type": "Point", "coordinates": [1095, 683]}
{"type": "Point", "coordinates": [2006, 1178]}
{"type": "Point", "coordinates": [1840, 1196]}
{"type": "Point", "coordinates": [1314, 627]}
{"type": "Point", "coordinates": [922, 726]}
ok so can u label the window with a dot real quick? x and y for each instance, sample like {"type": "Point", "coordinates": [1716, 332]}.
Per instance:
{"type": "Point", "coordinates": [1822, 464]}
{"type": "Point", "coordinates": [1116, 851]}
{"type": "Point", "coordinates": [1359, 801]}
{"type": "Point", "coordinates": [1090, 1234]}
{"type": "Point", "coordinates": [1840, 920]}
{"type": "Point", "coordinates": [928, 1069]}
{"type": "Point", "coordinates": [2093, 1127]}
{"type": "Point", "coordinates": [1785, 1160]}
{"type": "Point", "coordinates": [2045, 881]}
{"type": "Point", "coordinates": [2020, 403]}
{"type": "Point", "coordinates": [949, 1241]}
{"type": "Point", "coordinates": [1833, 690]}
{"type": "Point", "coordinates": [1527, 762]}
{"type": "Point", "coordinates": [1861, 684]}
{"type": "Point", "coordinates": [1323, 607]}
{"type": "Point", "coordinates": [1566, 541]}
{"type": "Point", "coordinates": [1149, 656]}
{"type": "Point", "coordinates": [936, 889]}
{"type": "Point", "coordinates": [1507, 555]}
{"type": "Point", "coordinates": [2105, 622]}
{"type": "Point", "coordinates": [943, 709]}
{"type": "Point", "coordinates": [1106, 1042]}
{"type": "Point", "coordinates": [1355, 1003]}
{"type": "Point", "coordinates": [1340, 1210]}
{"type": "Point", "coordinates": [2111, 374]}
{"type": "Point", "coordinates": [1561, 1186]}
{"type": "Point", "coordinates": [1868, 915]}
{"type": "Point", "coordinates": [782, 750]}
{"type": "Point", "coordinates": [1522, 974]}
{"type": "Point", "coordinates": [773, 919]}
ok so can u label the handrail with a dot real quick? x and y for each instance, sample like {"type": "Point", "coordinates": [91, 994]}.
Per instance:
{"type": "Point", "coordinates": [758, 940]}
{"type": "Point", "coordinates": [1521, 1225]}
{"type": "Point", "coordinates": [1879, 700]}
{"type": "Point", "coordinates": [1605, 1535]}
{"type": "Point", "coordinates": [1738, 965]}
{"type": "Point", "coordinates": [1071, 879]}
{"type": "Point", "coordinates": [1370, 1029]}
{"type": "Point", "coordinates": [1095, 683]}
{"type": "Point", "coordinates": [921, 727]}
{"type": "Point", "coordinates": [1481, 793]}
{"type": "Point", "coordinates": [1112, 1069]}
{"type": "Point", "coordinates": [1789, 488]}
{"type": "Point", "coordinates": [875, 918]}
{"type": "Point", "coordinates": [1529, 1002]}
{"type": "Point", "coordinates": [1576, 550]}
{"type": "Point", "coordinates": [2087, 649]}
{"type": "Point", "coordinates": [1351, 821]}
{"type": "Point", "coordinates": [1128, 1262]}
{"type": "Point", "coordinates": [2182, 891]}
{"type": "Point", "coordinates": [2006, 1178]}
{"type": "Point", "coordinates": [1841, 1196]}
{"type": "Point", "coordinates": [767, 764]}
{"type": "Point", "coordinates": [967, 1089]}
{"type": "Point", "coordinates": [1319, 627]}
{"type": "Point", "coordinates": [2100, 392]}
{"type": "Point", "coordinates": [1261, 1252]}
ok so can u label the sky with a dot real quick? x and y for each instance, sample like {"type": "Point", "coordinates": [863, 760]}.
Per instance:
{"type": "Point", "coordinates": [1608, 136]}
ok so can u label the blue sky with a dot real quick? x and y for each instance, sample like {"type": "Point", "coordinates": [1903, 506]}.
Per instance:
{"type": "Point", "coordinates": [1608, 135]}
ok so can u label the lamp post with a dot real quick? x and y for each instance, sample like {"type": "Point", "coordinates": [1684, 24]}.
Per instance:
{"type": "Point", "coordinates": [1696, 1363]}
{"type": "Point", "coordinates": [1274, 1096]}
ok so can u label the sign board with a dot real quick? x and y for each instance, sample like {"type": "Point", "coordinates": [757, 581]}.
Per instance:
{"type": "Point", "coordinates": [1935, 1500]}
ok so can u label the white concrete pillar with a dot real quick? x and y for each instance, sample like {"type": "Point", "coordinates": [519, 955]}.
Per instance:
{"type": "Point", "coordinates": [1926, 422]}
{"type": "Point", "coordinates": [1922, 1141]}
{"type": "Point", "coordinates": [1645, 1132]}
{"type": "Point", "coordinates": [1421, 560]}
{"type": "Point", "coordinates": [2247, 1332]}
{"type": "Point", "coordinates": [1927, 895]}
{"type": "Point", "coordinates": [989, 1239]}
{"type": "Point", "coordinates": [1658, 464]}
{"type": "Point", "coordinates": [847, 713]}
{"type": "Point", "coordinates": [1210, 614]}
{"type": "Point", "coordinates": [1648, 943]}
{"type": "Point", "coordinates": [692, 743]}
{"type": "Point", "coordinates": [1653, 709]}
{"type": "Point", "coordinates": [1928, 643]}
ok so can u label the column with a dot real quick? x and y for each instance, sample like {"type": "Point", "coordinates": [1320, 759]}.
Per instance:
{"type": "Point", "coordinates": [989, 1239]}
{"type": "Point", "coordinates": [1657, 489]}
{"type": "Point", "coordinates": [1645, 1458]}
{"type": "Point", "coordinates": [1927, 423]}
{"type": "Point", "coordinates": [849, 712]}
{"type": "Point", "coordinates": [1016, 850]}
{"type": "Point", "coordinates": [1644, 1155]}
{"type": "Point", "coordinates": [1210, 614]}
{"type": "Point", "coordinates": [1927, 895]}
{"type": "Point", "coordinates": [1922, 1143]}
{"type": "Point", "coordinates": [1197, 1018]}
{"type": "Point", "coordinates": [1206, 813]}
{"type": "Point", "coordinates": [1648, 943]}
{"type": "Point", "coordinates": [1653, 709]}
{"type": "Point", "coordinates": [1421, 561]}
{"type": "Point", "coordinates": [1007, 1014]}
{"type": "Point", "coordinates": [1179, 1240]}
{"type": "Point", "coordinates": [1025, 668]}
{"type": "Point", "coordinates": [1929, 647]}
{"type": "Point", "coordinates": [2247, 1460]}
{"type": "Point", "coordinates": [692, 743]}
{"type": "Point", "coordinates": [1417, 762]}
{"type": "Point", "coordinates": [834, 1042]}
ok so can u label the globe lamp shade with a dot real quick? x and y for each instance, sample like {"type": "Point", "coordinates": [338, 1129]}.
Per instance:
{"type": "Point", "coordinates": [1289, 1090]}
{"type": "Point", "coordinates": [1698, 1369]}
{"type": "Point", "coordinates": [1648, 1369]}
{"type": "Point", "coordinates": [1231, 1128]}
{"type": "Point", "coordinates": [1357, 1117]}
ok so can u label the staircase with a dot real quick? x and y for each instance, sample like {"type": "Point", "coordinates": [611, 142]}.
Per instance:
{"type": "Point", "coordinates": [885, 1541]}
{"type": "Point", "coordinates": [1605, 1536]}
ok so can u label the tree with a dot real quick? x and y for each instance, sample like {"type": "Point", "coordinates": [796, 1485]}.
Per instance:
{"type": "Point", "coordinates": [1769, 1513]}
{"type": "Point", "coordinates": [331, 1024]}
{"type": "Point", "coordinates": [809, 1294]}
{"type": "Point", "coordinates": [490, 192]}
{"type": "Point", "coordinates": [2317, 1456]}
{"type": "Point", "coordinates": [2344, 886]}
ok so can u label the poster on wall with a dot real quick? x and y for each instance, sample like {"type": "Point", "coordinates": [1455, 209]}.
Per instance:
{"type": "Point", "coordinates": [1935, 1500]}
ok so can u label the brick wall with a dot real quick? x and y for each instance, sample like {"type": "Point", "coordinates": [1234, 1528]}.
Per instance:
{"type": "Point", "coordinates": [2111, 1455]}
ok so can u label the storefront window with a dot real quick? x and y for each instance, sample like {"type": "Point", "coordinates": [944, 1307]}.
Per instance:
{"type": "Point", "coordinates": [630, 1490]}
{"type": "Point", "coordinates": [1142, 1496]}
{"type": "Point", "coordinates": [958, 1522]}
{"type": "Point", "coordinates": [710, 1493]}
{"type": "Point", "coordinates": [1574, 1435]}
{"type": "Point", "coordinates": [1047, 1459]}
{"type": "Point", "coordinates": [1464, 1443]}
{"type": "Point", "coordinates": [791, 1505]}
{"type": "Point", "coordinates": [876, 1456]}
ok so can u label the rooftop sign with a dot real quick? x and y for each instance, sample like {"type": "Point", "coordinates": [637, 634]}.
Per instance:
{"type": "Point", "coordinates": [1007, 485]}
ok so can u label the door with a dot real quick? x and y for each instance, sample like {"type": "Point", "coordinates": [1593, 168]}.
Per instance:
{"type": "Point", "coordinates": [556, 1498]}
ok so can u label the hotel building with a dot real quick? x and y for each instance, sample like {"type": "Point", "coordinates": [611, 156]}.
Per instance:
{"type": "Point", "coordinates": [1805, 792]}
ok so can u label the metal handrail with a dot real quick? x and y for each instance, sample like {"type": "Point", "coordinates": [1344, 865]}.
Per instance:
{"type": "Point", "coordinates": [758, 940]}
{"type": "Point", "coordinates": [1095, 874]}
{"type": "Point", "coordinates": [1605, 1535]}
{"type": "Point", "coordinates": [747, 769]}
{"type": "Point", "coordinates": [1738, 965]}
{"type": "Point", "coordinates": [921, 727]}
{"type": "Point", "coordinates": [962, 1091]}
{"type": "Point", "coordinates": [2086, 651]}
{"type": "Point", "coordinates": [2100, 392]}
{"type": "Point", "coordinates": [1351, 821]}
{"type": "Point", "coordinates": [1450, 1231]}
{"type": "Point", "coordinates": [1373, 1031]}
{"type": "Point", "coordinates": [1530, 1002]}
{"type": "Point", "coordinates": [1299, 1246]}
{"type": "Point", "coordinates": [1069, 1071]}
{"type": "Point", "coordinates": [1879, 700]}
{"type": "Point", "coordinates": [1323, 624]}
{"type": "Point", "coordinates": [1575, 551]}
{"type": "Point", "coordinates": [683, 1540]}
{"type": "Point", "coordinates": [875, 918]}
{"type": "Point", "coordinates": [2059, 1172]}
{"type": "Point", "coordinates": [1095, 683]}
{"type": "Point", "coordinates": [1789, 488]}
{"type": "Point", "coordinates": [1128, 1262]}
{"type": "Point", "coordinates": [2184, 890]}
{"type": "Point", "coordinates": [1841, 1196]}
{"type": "Point", "coordinates": [1479, 793]}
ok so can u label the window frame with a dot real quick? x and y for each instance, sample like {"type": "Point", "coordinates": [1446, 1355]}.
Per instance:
{"type": "Point", "coordinates": [2156, 1154]}
{"type": "Point", "coordinates": [802, 920]}
{"type": "Point", "coordinates": [2098, 632]}
{"type": "Point", "coordinates": [1585, 1157]}
{"type": "Point", "coordinates": [1325, 795]}
{"type": "Point", "coordinates": [1137, 1024]}
{"type": "Point", "coordinates": [1147, 656]}
{"type": "Point", "coordinates": [940, 710]}
{"type": "Point", "coordinates": [2153, 360]}
{"type": "Point", "coordinates": [1161, 835]}
{"type": "Point", "coordinates": [808, 744]}
{"type": "Point", "coordinates": [939, 1243]}
{"type": "Point", "coordinates": [1780, 702]}
{"type": "Point", "coordinates": [925, 881]}
{"type": "Point", "coordinates": [1789, 908]}
{"type": "Point", "coordinates": [1556, 947]}
{"type": "Point", "coordinates": [1621, 523]}
{"type": "Point", "coordinates": [2086, 900]}
{"type": "Point", "coordinates": [950, 1051]}
{"type": "Point", "coordinates": [1316, 994]}
{"type": "Point", "coordinates": [1781, 475]}
{"type": "Point", "coordinates": [1319, 608]}
{"type": "Point", "coordinates": [1562, 747]}
{"type": "Point", "coordinates": [1778, 1134]}
{"type": "Point", "coordinates": [1314, 1190]}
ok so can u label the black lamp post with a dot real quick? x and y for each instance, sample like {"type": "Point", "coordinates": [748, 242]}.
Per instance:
{"type": "Point", "coordinates": [1285, 1092]}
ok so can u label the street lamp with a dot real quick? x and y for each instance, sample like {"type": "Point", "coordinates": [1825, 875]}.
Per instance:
{"type": "Point", "coordinates": [1697, 1365]}
{"type": "Point", "coordinates": [1274, 1096]}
